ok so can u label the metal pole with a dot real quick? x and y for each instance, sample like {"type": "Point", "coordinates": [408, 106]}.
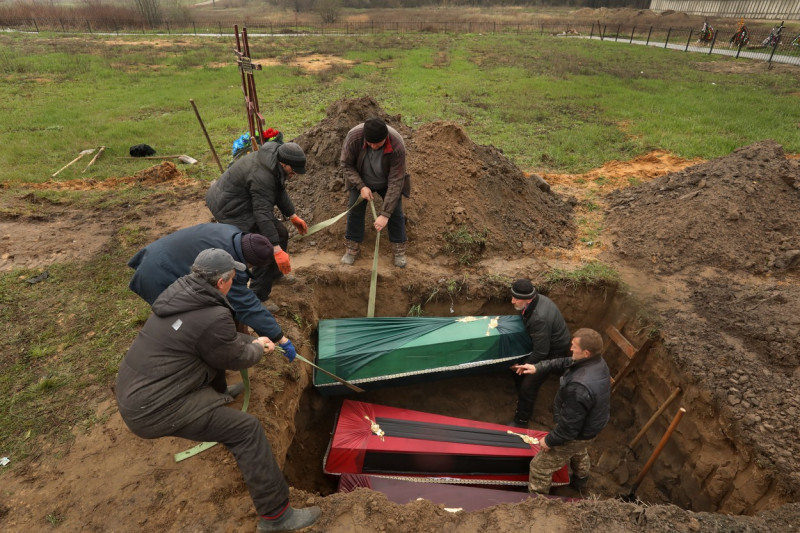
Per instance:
{"type": "Point", "coordinates": [616, 37]}
{"type": "Point", "coordinates": [632, 32]}
{"type": "Point", "coordinates": [591, 32]}
{"type": "Point", "coordinates": [666, 41]}
{"type": "Point", "coordinates": [713, 41]}
{"type": "Point", "coordinates": [648, 36]}
{"type": "Point", "coordinates": [214, 152]}
{"type": "Point", "coordinates": [688, 41]}
{"type": "Point", "coordinates": [739, 51]}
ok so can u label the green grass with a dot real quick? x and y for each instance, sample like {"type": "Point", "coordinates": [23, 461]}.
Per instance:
{"type": "Point", "coordinates": [79, 323]}
{"type": "Point", "coordinates": [591, 273]}
{"type": "Point", "coordinates": [550, 104]}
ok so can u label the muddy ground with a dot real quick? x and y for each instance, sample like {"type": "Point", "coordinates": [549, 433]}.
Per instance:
{"type": "Point", "coordinates": [709, 255]}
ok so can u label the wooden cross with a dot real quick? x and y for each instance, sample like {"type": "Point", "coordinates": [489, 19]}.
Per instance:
{"type": "Point", "coordinates": [255, 121]}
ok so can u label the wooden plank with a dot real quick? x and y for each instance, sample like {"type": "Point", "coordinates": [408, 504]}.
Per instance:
{"type": "Point", "coordinates": [626, 347]}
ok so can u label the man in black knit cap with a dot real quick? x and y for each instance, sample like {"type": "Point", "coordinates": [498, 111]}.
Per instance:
{"type": "Point", "coordinates": [550, 338]}
{"type": "Point", "coordinates": [373, 160]}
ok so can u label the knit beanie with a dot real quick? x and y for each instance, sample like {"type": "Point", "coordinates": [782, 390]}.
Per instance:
{"type": "Point", "coordinates": [291, 154]}
{"type": "Point", "coordinates": [375, 130]}
{"type": "Point", "coordinates": [257, 249]}
{"type": "Point", "coordinates": [523, 289]}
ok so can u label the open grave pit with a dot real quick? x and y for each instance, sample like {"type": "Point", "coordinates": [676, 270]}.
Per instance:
{"type": "Point", "coordinates": [705, 466]}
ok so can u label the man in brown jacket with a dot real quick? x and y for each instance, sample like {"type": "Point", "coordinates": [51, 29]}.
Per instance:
{"type": "Point", "coordinates": [373, 160]}
{"type": "Point", "coordinates": [172, 383]}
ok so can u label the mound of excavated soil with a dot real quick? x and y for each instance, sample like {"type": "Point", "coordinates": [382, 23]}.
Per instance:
{"type": "Point", "coordinates": [737, 212]}
{"type": "Point", "coordinates": [717, 245]}
{"type": "Point", "coordinates": [457, 186]}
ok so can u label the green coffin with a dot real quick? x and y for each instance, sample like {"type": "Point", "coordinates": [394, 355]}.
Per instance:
{"type": "Point", "coordinates": [382, 352]}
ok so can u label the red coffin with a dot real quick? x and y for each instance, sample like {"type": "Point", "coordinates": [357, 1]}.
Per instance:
{"type": "Point", "coordinates": [381, 440]}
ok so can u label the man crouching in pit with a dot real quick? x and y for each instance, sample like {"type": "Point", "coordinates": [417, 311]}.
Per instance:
{"type": "Point", "coordinates": [581, 410]}
{"type": "Point", "coordinates": [172, 383]}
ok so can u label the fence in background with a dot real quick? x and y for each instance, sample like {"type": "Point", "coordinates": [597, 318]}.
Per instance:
{"type": "Point", "coordinates": [785, 50]}
{"type": "Point", "coordinates": [752, 9]}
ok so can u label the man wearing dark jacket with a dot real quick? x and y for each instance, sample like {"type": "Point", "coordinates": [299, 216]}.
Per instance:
{"type": "Point", "coordinates": [246, 196]}
{"type": "Point", "coordinates": [172, 382]}
{"type": "Point", "coordinates": [549, 335]}
{"type": "Point", "coordinates": [373, 160]}
{"type": "Point", "coordinates": [160, 263]}
{"type": "Point", "coordinates": [581, 410]}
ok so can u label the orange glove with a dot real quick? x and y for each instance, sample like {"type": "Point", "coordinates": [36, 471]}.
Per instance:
{"type": "Point", "coordinates": [300, 224]}
{"type": "Point", "coordinates": [282, 260]}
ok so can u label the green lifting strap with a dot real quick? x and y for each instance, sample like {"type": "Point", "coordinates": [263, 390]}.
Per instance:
{"type": "Point", "coordinates": [203, 446]}
{"type": "Point", "coordinates": [373, 283]}
{"type": "Point", "coordinates": [325, 223]}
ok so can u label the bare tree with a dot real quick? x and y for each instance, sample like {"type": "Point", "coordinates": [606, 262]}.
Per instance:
{"type": "Point", "coordinates": [328, 10]}
{"type": "Point", "coordinates": [150, 11]}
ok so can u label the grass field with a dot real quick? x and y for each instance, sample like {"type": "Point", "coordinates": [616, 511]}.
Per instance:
{"type": "Point", "coordinates": [550, 104]}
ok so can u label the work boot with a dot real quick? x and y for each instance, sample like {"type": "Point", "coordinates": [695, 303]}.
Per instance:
{"type": "Point", "coordinates": [272, 307]}
{"type": "Point", "coordinates": [399, 254]}
{"type": "Point", "coordinates": [351, 252]}
{"type": "Point", "coordinates": [579, 483]}
{"type": "Point", "coordinates": [517, 423]}
{"type": "Point", "coordinates": [292, 520]}
{"type": "Point", "coordinates": [234, 390]}
{"type": "Point", "coordinates": [286, 279]}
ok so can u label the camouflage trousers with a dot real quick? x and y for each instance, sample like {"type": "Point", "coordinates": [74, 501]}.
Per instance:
{"type": "Point", "coordinates": [544, 464]}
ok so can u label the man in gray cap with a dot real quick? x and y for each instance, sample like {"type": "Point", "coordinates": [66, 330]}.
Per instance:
{"type": "Point", "coordinates": [373, 160]}
{"type": "Point", "coordinates": [246, 196]}
{"type": "Point", "coordinates": [550, 337]}
{"type": "Point", "coordinates": [161, 262]}
{"type": "Point", "coordinates": [172, 382]}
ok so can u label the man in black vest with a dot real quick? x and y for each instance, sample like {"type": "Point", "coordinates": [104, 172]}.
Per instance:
{"type": "Point", "coordinates": [581, 410]}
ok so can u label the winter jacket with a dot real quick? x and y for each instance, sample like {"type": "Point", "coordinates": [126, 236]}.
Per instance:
{"type": "Point", "coordinates": [547, 328]}
{"type": "Point", "coordinates": [583, 402]}
{"type": "Point", "coordinates": [164, 380]}
{"type": "Point", "coordinates": [247, 193]}
{"type": "Point", "coordinates": [351, 162]}
{"type": "Point", "coordinates": [160, 263]}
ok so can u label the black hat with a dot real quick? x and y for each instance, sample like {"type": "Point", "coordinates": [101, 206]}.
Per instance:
{"type": "Point", "coordinates": [375, 130]}
{"type": "Point", "coordinates": [292, 155]}
{"type": "Point", "coordinates": [523, 289]}
{"type": "Point", "coordinates": [257, 249]}
{"type": "Point", "coordinates": [215, 262]}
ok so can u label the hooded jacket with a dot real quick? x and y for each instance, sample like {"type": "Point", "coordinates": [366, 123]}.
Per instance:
{"type": "Point", "coordinates": [160, 263]}
{"type": "Point", "coordinates": [164, 381]}
{"type": "Point", "coordinates": [246, 194]}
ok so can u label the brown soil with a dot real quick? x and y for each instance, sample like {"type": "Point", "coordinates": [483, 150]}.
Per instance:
{"type": "Point", "coordinates": [707, 253]}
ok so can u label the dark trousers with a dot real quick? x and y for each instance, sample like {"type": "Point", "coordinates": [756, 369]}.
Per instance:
{"type": "Point", "coordinates": [528, 386]}
{"type": "Point", "coordinates": [264, 277]}
{"type": "Point", "coordinates": [245, 438]}
{"type": "Point", "coordinates": [355, 219]}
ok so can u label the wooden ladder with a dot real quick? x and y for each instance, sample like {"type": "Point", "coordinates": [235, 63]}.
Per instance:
{"type": "Point", "coordinates": [616, 337]}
